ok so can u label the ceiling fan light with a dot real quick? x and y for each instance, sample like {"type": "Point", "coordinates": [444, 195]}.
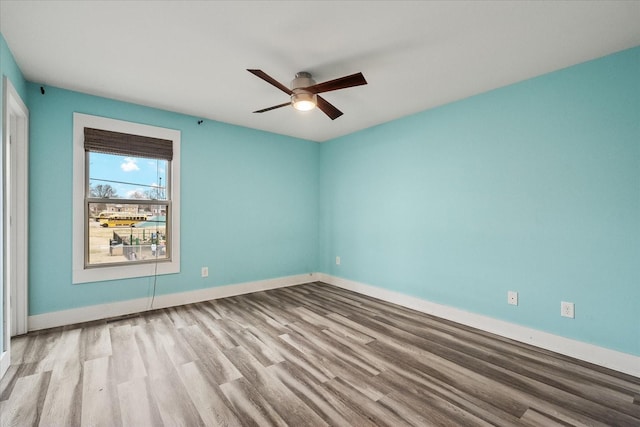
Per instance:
{"type": "Point", "coordinates": [304, 101]}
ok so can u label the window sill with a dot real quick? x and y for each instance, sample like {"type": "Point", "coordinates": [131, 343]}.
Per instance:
{"type": "Point", "coordinates": [87, 275]}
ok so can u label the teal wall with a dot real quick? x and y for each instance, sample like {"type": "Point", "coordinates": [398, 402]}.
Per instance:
{"type": "Point", "coordinates": [9, 69]}
{"type": "Point", "coordinates": [249, 205]}
{"type": "Point", "coordinates": [534, 187]}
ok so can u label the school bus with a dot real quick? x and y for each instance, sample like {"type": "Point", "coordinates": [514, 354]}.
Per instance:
{"type": "Point", "coordinates": [122, 219]}
{"type": "Point", "coordinates": [103, 215]}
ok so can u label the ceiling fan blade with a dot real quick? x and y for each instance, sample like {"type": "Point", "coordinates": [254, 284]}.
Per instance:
{"type": "Point", "coordinates": [264, 110]}
{"type": "Point", "coordinates": [356, 79]}
{"type": "Point", "coordinates": [267, 78]}
{"type": "Point", "coordinates": [328, 109]}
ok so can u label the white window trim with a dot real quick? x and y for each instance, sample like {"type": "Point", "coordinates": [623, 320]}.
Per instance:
{"type": "Point", "coordinates": [81, 274]}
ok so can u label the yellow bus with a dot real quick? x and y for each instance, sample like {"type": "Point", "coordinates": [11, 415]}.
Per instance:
{"type": "Point", "coordinates": [103, 215]}
{"type": "Point", "coordinates": [122, 219]}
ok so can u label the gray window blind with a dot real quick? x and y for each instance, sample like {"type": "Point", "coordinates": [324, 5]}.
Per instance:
{"type": "Point", "coordinates": [104, 141]}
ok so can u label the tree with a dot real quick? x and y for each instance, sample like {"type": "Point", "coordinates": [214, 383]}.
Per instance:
{"type": "Point", "coordinates": [103, 191]}
{"type": "Point", "coordinates": [155, 193]}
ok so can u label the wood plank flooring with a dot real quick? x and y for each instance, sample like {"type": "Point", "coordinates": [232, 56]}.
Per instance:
{"type": "Point", "coordinates": [309, 355]}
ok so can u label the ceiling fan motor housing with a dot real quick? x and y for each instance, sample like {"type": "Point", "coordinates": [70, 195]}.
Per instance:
{"type": "Point", "coordinates": [303, 79]}
{"type": "Point", "coordinates": [302, 99]}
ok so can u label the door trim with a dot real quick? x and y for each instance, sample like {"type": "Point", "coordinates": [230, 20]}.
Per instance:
{"type": "Point", "coordinates": [15, 245]}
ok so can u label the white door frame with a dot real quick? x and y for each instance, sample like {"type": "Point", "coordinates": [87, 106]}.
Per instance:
{"type": "Point", "coordinates": [15, 216]}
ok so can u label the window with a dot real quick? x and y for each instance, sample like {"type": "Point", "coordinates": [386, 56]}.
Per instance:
{"type": "Point", "coordinates": [126, 199]}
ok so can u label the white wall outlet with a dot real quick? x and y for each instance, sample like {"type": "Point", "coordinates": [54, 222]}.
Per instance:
{"type": "Point", "coordinates": [567, 309]}
{"type": "Point", "coordinates": [205, 272]}
{"type": "Point", "coordinates": [512, 297]}
{"type": "Point", "coordinates": [337, 260]}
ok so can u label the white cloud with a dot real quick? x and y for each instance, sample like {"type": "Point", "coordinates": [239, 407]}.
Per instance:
{"type": "Point", "coordinates": [129, 165]}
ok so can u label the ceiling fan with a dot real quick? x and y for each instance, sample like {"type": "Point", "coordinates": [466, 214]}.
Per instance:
{"type": "Point", "coordinates": [304, 91]}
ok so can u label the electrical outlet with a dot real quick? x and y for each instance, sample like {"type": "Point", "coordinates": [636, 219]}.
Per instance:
{"type": "Point", "coordinates": [512, 297]}
{"type": "Point", "coordinates": [337, 260]}
{"type": "Point", "coordinates": [567, 309]}
{"type": "Point", "coordinates": [205, 272]}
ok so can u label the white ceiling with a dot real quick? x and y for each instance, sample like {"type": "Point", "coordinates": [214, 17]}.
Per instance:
{"type": "Point", "coordinates": [191, 57]}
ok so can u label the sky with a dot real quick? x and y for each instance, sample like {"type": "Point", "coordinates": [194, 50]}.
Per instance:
{"type": "Point", "coordinates": [141, 174]}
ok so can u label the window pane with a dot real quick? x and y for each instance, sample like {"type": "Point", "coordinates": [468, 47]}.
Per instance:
{"type": "Point", "coordinates": [124, 177]}
{"type": "Point", "coordinates": [124, 233]}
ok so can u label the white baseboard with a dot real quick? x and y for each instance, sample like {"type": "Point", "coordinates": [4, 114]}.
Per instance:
{"type": "Point", "coordinates": [612, 359]}
{"type": "Point", "coordinates": [4, 363]}
{"type": "Point", "coordinates": [122, 308]}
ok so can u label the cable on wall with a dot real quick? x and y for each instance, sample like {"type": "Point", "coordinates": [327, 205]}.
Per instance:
{"type": "Point", "coordinates": [157, 251]}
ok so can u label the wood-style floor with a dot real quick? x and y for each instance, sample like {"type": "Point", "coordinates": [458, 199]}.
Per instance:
{"type": "Point", "coordinates": [308, 355]}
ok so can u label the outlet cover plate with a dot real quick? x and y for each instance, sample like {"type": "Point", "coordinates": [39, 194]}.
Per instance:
{"type": "Point", "coordinates": [512, 297]}
{"type": "Point", "coordinates": [337, 260]}
{"type": "Point", "coordinates": [205, 272]}
{"type": "Point", "coordinates": [567, 309]}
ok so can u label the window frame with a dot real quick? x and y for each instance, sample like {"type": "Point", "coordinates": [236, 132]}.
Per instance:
{"type": "Point", "coordinates": [83, 273]}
